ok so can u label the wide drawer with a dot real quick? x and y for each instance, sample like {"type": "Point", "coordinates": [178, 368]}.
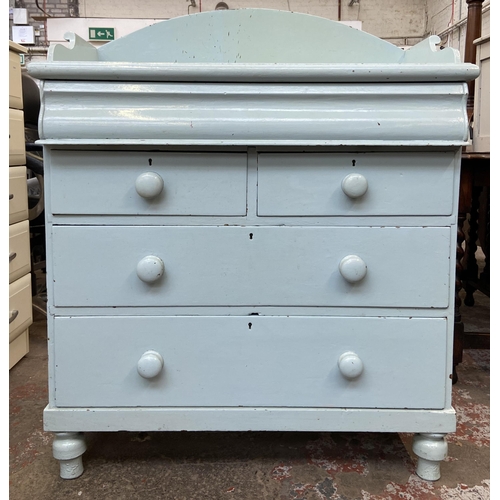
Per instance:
{"type": "Point", "coordinates": [19, 250]}
{"type": "Point", "coordinates": [20, 310]}
{"type": "Point", "coordinates": [135, 183]}
{"type": "Point", "coordinates": [17, 148]}
{"type": "Point", "coordinates": [274, 266]}
{"type": "Point", "coordinates": [18, 195]}
{"type": "Point", "coordinates": [250, 361]}
{"type": "Point", "coordinates": [327, 184]}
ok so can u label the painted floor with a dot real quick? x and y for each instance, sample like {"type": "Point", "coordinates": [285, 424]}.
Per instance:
{"type": "Point", "coordinates": [250, 465]}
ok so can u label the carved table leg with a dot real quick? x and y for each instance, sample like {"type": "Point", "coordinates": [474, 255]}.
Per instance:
{"type": "Point", "coordinates": [484, 278]}
{"type": "Point", "coordinates": [68, 448]}
{"type": "Point", "coordinates": [471, 266]}
{"type": "Point", "coordinates": [430, 449]}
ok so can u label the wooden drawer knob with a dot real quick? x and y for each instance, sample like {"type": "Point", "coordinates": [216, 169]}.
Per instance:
{"type": "Point", "coordinates": [350, 365]}
{"type": "Point", "coordinates": [150, 269]}
{"type": "Point", "coordinates": [352, 268]}
{"type": "Point", "coordinates": [354, 185]}
{"type": "Point", "coordinates": [150, 365]}
{"type": "Point", "coordinates": [149, 185]}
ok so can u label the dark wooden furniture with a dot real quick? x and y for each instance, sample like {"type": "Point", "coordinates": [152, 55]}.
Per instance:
{"type": "Point", "coordinates": [474, 211]}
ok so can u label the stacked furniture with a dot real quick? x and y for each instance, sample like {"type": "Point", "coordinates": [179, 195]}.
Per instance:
{"type": "Point", "coordinates": [477, 158]}
{"type": "Point", "coordinates": [20, 310]}
{"type": "Point", "coordinates": [474, 198]}
{"type": "Point", "coordinates": [251, 221]}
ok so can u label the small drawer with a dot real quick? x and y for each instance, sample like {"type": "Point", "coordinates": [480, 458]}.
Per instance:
{"type": "Point", "coordinates": [18, 195]}
{"type": "Point", "coordinates": [17, 143]}
{"type": "Point", "coordinates": [134, 183]}
{"type": "Point", "coordinates": [15, 81]}
{"type": "Point", "coordinates": [327, 184]}
{"type": "Point", "coordinates": [19, 250]}
{"type": "Point", "coordinates": [250, 361]}
{"type": "Point", "coordinates": [244, 266]}
{"type": "Point", "coordinates": [20, 310]}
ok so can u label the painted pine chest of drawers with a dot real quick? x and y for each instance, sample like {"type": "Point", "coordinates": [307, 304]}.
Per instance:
{"type": "Point", "coordinates": [251, 233]}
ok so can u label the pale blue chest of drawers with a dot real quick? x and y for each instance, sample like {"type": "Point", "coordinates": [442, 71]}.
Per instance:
{"type": "Point", "coordinates": [251, 233]}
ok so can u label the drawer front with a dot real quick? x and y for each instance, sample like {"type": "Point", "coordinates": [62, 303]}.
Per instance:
{"type": "Point", "coordinates": [275, 266]}
{"type": "Point", "coordinates": [20, 310]}
{"type": "Point", "coordinates": [17, 151]}
{"type": "Point", "coordinates": [18, 194]}
{"type": "Point", "coordinates": [19, 250]}
{"type": "Point", "coordinates": [18, 348]}
{"type": "Point", "coordinates": [225, 361]}
{"type": "Point", "coordinates": [15, 81]}
{"type": "Point", "coordinates": [135, 183]}
{"type": "Point", "coordinates": [324, 184]}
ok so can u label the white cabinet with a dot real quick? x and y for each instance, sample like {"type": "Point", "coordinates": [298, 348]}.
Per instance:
{"type": "Point", "coordinates": [20, 310]}
{"type": "Point", "coordinates": [251, 240]}
{"type": "Point", "coordinates": [481, 129]}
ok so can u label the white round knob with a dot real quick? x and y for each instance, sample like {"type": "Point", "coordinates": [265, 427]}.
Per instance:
{"type": "Point", "coordinates": [352, 268]}
{"type": "Point", "coordinates": [149, 185]}
{"type": "Point", "coordinates": [150, 365]}
{"type": "Point", "coordinates": [150, 269]}
{"type": "Point", "coordinates": [350, 365]}
{"type": "Point", "coordinates": [354, 185]}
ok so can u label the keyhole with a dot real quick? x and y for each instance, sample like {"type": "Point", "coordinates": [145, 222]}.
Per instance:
{"type": "Point", "coordinates": [150, 161]}
{"type": "Point", "coordinates": [251, 236]}
{"type": "Point", "coordinates": [353, 163]}
{"type": "Point", "coordinates": [249, 326]}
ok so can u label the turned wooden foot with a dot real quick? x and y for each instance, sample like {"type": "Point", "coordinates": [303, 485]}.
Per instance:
{"type": "Point", "coordinates": [430, 449]}
{"type": "Point", "coordinates": [68, 448]}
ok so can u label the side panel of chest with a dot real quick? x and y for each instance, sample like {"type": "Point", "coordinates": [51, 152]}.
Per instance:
{"type": "Point", "coordinates": [274, 266]}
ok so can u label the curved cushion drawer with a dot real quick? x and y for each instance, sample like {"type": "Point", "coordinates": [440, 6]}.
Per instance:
{"type": "Point", "coordinates": [19, 250]}
{"type": "Point", "coordinates": [391, 184]}
{"type": "Point", "coordinates": [20, 310]}
{"type": "Point", "coordinates": [275, 266]}
{"type": "Point", "coordinates": [104, 182]}
{"type": "Point", "coordinates": [222, 361]}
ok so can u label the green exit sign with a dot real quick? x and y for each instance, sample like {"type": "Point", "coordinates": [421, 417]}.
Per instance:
{"type": "Point", "coordinates": [101, 33]}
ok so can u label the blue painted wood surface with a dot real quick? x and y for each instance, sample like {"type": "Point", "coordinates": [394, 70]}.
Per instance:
{"type": "Point", "coordinates": [218, 114]}
{"type": "Point", "coordinates": [229, 266]}
{"type": "Point", "coordinates": [250, 361]}
{"type": "Point", "coordinates": [245, 165]}
{"type": "Point", "coordinates": [311, 184]}
{"type": "Point", "coordinates": [104, 183]}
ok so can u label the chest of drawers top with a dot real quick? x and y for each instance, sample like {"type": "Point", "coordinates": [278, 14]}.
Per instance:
{"type": "Point", "coordinates": [239, 88]}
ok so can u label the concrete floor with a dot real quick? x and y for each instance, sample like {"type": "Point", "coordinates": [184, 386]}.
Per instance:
{"type": "Point", "coordinates": [250, 465]}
